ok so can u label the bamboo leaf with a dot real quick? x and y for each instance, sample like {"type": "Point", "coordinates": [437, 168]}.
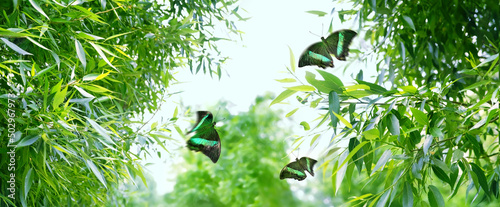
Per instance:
{"type": "Point", "coordinates": [292, 59]}
{"type": "Point", "coordinates": [96, 171]}
{"type": "Point", "coordinates": [37, 7]}
{"type": "Point", "coordinates": [80, 52]}
{"type": "Point", "coordinates": [435, 197]}
{"type": "Point", "coordinates": [15, 47]}
{"type": "Point", "coordinates": [27, 141]}
{"type": "Point", "coordinates": [304, 88]}
{"type": "Point", "coordinates": [383, 159]}
{"type": "Point", "coordinates": [283, 95]}
{"type": "Point", "coordinates": [103, 56]}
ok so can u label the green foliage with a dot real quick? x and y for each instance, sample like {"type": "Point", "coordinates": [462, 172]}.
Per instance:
{"type": "Point", "coordinates": [75, 75]}
{"type": "Point", "coordinates": [429, 124]}
{"type": "Point", "coordinates": [247, 173]}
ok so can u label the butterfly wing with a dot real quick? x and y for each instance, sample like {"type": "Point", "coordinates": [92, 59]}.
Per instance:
{"type": "Point", "coordinates": [201, 115]}
{"type": "Point", "coordinates": [206, 139]}
{"type": "Point", "coordinates": [316, 54]}
{"type": "Point", "coordinates": [338, 43]}
{"type": "Point", "coordinates": [307, 164]}
{"type": "Point", "coordinates": [293, 170]}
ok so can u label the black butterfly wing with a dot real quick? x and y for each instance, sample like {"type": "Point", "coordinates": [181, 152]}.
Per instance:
{"type": "Point", "coordinates": [338, 43]}
{"type": "Point", "coordinates": [307, 164]}
{"type": "Point", "coordinates": [207, 142]}
{"type": "Point", "coordinates": [293, 170]}
{"type": "Point", "coordinates": [201, 116]}
{"type": "Point", "coordinates": [316, 54]}
{"type": "Point", "coordinates": [206, 139]}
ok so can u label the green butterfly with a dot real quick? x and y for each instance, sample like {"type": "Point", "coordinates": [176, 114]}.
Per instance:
{"type": "Point", "coordinates": [319, 53]}
{"type": "Point", "coordinates": [297, 168]}
{"type": "Point", "coordinates": [206, 139]}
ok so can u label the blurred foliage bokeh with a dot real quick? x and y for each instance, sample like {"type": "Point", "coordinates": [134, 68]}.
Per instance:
{"type": "Point", "coordinates": [247, 173]}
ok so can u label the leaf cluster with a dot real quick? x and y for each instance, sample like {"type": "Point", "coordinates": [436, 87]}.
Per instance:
{"type": "Point", "coordinates": [75, 74]}
{"type": "Point", "coordinates": [432, 112]}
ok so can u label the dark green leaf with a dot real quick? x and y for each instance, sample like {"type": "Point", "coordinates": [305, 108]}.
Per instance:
{"type": "Point", "coordinates": [393, 124]}
{"type": "Point", "coordinates": [481, 178]}
{"type": "Point", "coordinates": [435, 197]}
{"type": "Point", "coordinates": [334, 106]}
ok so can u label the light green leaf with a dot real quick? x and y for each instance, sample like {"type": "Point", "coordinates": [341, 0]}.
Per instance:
{"type": "Point", "coordinates": [332, 80]}
{"type": "Point", "coordinates": [344, 121]}
{"type": "Point", "coordinates": [95, 88]}
{"type": "Point", "coordinates": [305, 125]}
{"type": "Point", "coordinates": [88, 36]}
{"type": "Point", "coordinates": [357, 87]}
{"type": "Point", "coordinates": [286, 80]}
{"type": "Point", "coordinates": [420, 117]}
{"type": "Point", "coordinates": [314, 139]}
{"type": "Point", "coordinates": [291, 112]}
{"type": "Point", "coordinates": [304, 88]}
{"type": "Point", "coordinates": [371, 134]}
{"type": "Point", "coordinates": [283, 95]}
{"type": "Point", "coordinates": [90, 77]}
{"type": "Point", "coordinates": [322, 86]}
{"type": "Point", "coordinates": [316, 12]}
{"type": "Point", "coordinates": [102, 76]}
{"type": "Point", "coordinates": [315, 103]}
{"type": "Point", "coordinates": [59, 98]}
{"type": "Point", "coordinates": [176, 112]}
{"type": "Point", "coordinates": [292, 59]}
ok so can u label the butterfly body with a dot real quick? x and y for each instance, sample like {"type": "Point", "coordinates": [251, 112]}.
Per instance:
{"type": "Point", "coordinates": [205, 138]}
{"type": "Point", "coordinates": [336, 43]}
{"type": "Point", "coordinates": [297, 169]}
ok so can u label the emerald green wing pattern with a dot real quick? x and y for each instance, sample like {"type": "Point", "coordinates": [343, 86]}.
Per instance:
{"type": "Point", "coordinates": [297, 168]}
{"type": "Point", "coordinates": [308, 164]}
{"type": "Point", "coordinates": [316, 54]}
{"type": "Point", "coordinates": [206, 139]}
{"type": "Point", "coordinates": [293, 170]}
{"type": "Point", "coordinates": [338, 43]}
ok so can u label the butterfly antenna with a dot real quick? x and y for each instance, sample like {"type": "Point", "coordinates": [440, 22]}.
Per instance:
{"type": "Point", "coordinates": [322, 27]}
{"type": "Point", "coordinates": [315, 34]}
{"type": "Point", "coordinates": [217, 113]}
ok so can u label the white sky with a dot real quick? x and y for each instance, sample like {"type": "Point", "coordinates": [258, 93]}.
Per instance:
{"type": "Point", "coordinates": [255, 62]}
